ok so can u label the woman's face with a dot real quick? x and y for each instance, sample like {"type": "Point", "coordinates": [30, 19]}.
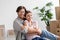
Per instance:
{"type": "Point", "coordinates": [29, 16]}
{"type": "Point", "coordinates": [21, 13]}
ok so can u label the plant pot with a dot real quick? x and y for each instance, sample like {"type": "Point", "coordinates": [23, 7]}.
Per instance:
{"type": "Point", "coordinates": [48, 28]}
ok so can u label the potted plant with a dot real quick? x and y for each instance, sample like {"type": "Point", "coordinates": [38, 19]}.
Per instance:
{"type": "Point", "coordinates": [45, 13]}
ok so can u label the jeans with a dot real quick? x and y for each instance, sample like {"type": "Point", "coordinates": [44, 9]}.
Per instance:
{"type": "Point", "coordinates": [47, 34]}
{"type": "Point", "coordinates": [38, 38]}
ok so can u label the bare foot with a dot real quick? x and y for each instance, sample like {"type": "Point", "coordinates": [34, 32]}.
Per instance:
{"type": "Point", "coordinates": [58, 38]}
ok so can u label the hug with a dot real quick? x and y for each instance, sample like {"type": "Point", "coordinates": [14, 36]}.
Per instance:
{"type": "Point", "coordinates": [26, 28]}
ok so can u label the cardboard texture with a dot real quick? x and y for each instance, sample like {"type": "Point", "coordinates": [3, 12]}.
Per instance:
{"type": "Point", "coordinates": [59, 2]}
{"type": "Point", "coordinates": [1, 33]}
{"type": "Point", "coordinates": [58, 31]}
{"type": "Point", "coordinates": [55, 27]}
{"type": "Point", "coordinates": [57, 9]}
{"type": "Point", "coordinates": [2, 28]}
{"type": "Point", "coordinates": [10, 32]}
{"type": "Point", "coordinates": [1, 38]}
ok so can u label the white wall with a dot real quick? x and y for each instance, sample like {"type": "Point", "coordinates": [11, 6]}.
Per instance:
{"type": "Point", "coordinates": [8, 8]}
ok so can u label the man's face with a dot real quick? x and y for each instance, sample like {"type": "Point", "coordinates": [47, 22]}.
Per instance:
{"type": "Point", "coordinates": [21, 13]}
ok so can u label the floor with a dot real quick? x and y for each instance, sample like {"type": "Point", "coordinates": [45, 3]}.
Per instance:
{"type": "Point", "coordinates": [7, 38]}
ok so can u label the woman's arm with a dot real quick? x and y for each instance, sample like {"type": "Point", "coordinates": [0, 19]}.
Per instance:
{"type": "Point", "coordinates": [30, 30]}
{"type": "Point", "coordinates": [37, 28]}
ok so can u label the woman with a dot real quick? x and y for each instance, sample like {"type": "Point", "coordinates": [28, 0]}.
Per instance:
{"type": "Point", "coordinates": [17, 24]}
{"type": "Point", "coordinates": [32, 24]}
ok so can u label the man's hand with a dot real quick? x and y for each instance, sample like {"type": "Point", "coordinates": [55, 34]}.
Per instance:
{"type": "Point", "coordinates": [39, 31]}
{"type": "Point", "coordinates": [32, 30]}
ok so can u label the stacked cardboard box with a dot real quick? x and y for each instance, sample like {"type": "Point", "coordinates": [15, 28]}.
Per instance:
{"type": "Point", "coordinates": [58, 28]}
{"type": "Point", "coordinates": [11, 32]}
{"type": "Point", "coordinates": [59, 2]}
{"type": "Point", "coordinates": [2, 28]}
{"type": "Point", "coordinates": [55, 25]}
{"type": "Point", "coordinates": [57, 9]}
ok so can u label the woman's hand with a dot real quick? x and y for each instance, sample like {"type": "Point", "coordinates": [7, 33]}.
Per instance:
{"type": "Point", "coordinates": [25, 23]}
{"type": "Point", "coordinates": [39, 31]}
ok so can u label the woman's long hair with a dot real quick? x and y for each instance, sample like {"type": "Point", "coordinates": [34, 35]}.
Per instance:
{"type": "Point", "coordinates": [27, 11]}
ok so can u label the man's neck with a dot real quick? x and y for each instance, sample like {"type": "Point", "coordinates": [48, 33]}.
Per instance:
{"type": "Point", "coordinates": [20, 18]}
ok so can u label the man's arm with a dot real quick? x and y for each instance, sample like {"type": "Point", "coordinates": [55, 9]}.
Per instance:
{"type": "Point", "coordinates": [32, 31]}
{"type": "Point", "coordinates": [29, 30]}
{"type": "Point", "coordinates": [25, 29]}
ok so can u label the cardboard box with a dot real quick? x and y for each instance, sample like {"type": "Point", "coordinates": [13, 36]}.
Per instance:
{"type": "Point", "coordinates": [1, 38]}
{"type": "Point", "coordinates": [57, 9]}
{"type": "Point", "coordinates": [1, 33]}
{"type": "Point", "coordinates": [53, 26]}
{"type": "Point", "coordinates": [2, 27]}
{"type": "Point", "coordinates": [2, 30]}
{"type": "Point", "coordinates": [11, 33]}
{"type": "Point", "coordinates": [59, 23]}
{"type": "Point", "coordinates": [58, 31]}
{"type": "Point", "coordinates": [59, 2]}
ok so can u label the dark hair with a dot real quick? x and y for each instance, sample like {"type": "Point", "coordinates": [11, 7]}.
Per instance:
{"type": "Point", "coordinates": [19, 8]}
{"type": "Point", "coordinates": [27, 12]}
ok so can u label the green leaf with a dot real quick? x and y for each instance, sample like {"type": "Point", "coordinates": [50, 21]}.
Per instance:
{"type": "Point", "coordinates": [49, 10]}
{"type": "Point", "coordinates": [44, 18]}
{"type": "Point", "coordinates": [45, 15]}
{"type": "Point", "coordinates": [35, 8]}
{"type": "Point", "coordinates": [40, 14]}
{"type": "Point", "coordinates": [49, 4]}
{"type": "Point", "coordinates": [49, 15]}
{"type": "Point", "coordinates": [42, 10]}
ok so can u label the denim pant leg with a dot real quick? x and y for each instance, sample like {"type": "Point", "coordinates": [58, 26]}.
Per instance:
{"type": "Point", "coordinates": [48, 35]}
{"type": "Point", "coordinates": [38, 38]}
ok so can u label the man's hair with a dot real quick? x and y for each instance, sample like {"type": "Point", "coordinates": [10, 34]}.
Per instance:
{"type": "Point", "coordinates": [20, 7]}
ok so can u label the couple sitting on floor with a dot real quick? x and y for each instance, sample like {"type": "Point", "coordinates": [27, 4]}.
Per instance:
{"type": "Point", "coordinates": [26, 28]}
